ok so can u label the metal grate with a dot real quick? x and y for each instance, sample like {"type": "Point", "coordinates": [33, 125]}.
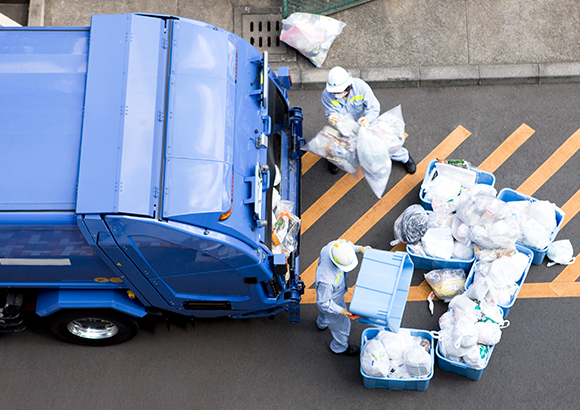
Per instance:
{"type": "Point", "coordinates": [262, 28]}
{"type": "Point", "coordinates": [324, 7]}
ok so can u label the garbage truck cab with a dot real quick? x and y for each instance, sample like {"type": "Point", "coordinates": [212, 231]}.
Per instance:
{"type": "Point", "coordinates": [139, 158]}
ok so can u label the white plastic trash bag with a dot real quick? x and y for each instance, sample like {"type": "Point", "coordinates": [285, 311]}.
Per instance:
{"type": "Point", "coordinates": [418, 361]}
{"type": "Point", "coordinates": [477, 356]}
{"type": "Point", "coordinates": [375, 160]}
{"type": "Point", "coordinates": [561, 252]}
{"type": "Point", "coordinates": [340, 151]}
{"type": "Point", "coordinates": [311, 34]}
{"type": "Point", "coordinates": [374, 359]}
{"type": "Point", "coordinates": [438, 243]}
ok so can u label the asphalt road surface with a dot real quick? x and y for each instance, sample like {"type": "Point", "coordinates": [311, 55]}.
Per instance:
{"type": "Point", "coordinates": [272, 364]}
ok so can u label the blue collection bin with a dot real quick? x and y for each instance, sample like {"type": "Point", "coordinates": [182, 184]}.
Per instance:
{"type": "Point", "coordinates": [431, 263]}
{"type": "Point", "coordinates": [461, 368]}
{"type": "Point", "coordinates": [418, 383]}
{"type": "Point", "coordinates": [482, 177]}
{"type": "Point", "coordinates": [507, 308]}
{"type": "Point", "coordinates": [382, 288]}
{"type": "Point", "coordinates": [510, 195]}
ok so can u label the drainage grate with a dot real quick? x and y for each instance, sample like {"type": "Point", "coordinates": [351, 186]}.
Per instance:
{"type": "Point", "coordinates": [262, 28]}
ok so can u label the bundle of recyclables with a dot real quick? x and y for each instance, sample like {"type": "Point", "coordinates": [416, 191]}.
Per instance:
{"type": "Point", "coordinates": [351, 147]}
{"type": "Point", "coordinates": [311, 34]}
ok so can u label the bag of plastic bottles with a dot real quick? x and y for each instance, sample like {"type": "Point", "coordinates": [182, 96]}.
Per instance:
{"type": "Point", "coordinates": [340, 151]}
{"type": "Point", "coordinates": [446, 283]}
{"type": "Point", "coordinates": [411, 225]}
{"type": "Point", "coordinates": [311, 34]}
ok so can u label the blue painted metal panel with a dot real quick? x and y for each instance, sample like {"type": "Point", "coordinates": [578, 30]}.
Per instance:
{"type": "Point", "coordinates": [122, 128]}
{"type": "Point", "coordinates": [200, 130]}
{"type": "Point", "coordinates": [50, 301]}
{"type": "Point", "coordinates": [42, 81]}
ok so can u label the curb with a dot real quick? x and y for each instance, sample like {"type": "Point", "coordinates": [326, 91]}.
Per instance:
{"type": "Point", "coordinates": [445, 76]}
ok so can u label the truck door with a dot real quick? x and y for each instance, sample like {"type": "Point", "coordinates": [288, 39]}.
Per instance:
{"type": "Point", "coordinates": [191, 268]}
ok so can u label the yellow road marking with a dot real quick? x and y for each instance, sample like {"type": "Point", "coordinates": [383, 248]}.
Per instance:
{"type": "Point", "coordinates": [552, 165]}
{"type": "Point", "coordinates": [326, 201]}
{"type": "Point", "coordinates": [391, 198]}
{"type": "Point", "coordinates": [571, 208]}
{"type": "Point", "coordinates": [308, 161]}
{"type": "Point", "coordinates": [507, 148]}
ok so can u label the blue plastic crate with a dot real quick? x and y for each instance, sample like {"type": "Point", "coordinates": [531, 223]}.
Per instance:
{"type": "Point", "coordinates": [382, 287]}
{"type": "Point", "coordinates": [510, 195]}
{"type": "Point", "coordinates": [461, 368]}
{"type": "Point", "coordinates": [483, 177]}
{"type": "Point", "coordinates": [420, 384]}
{"type": "Point", "coordinates": [507, 308]}
{"type": "Point", "coordinates": [431, 263]}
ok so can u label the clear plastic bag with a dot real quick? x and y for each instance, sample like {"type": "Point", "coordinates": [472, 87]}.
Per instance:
{"type": "Point", "coordinates": [390, 127]}
{"type": "Point", "coordinates": [286, 228]}
{"type": "Point", "coordinates": [375, 160]}
{"type": "Point", "coordinates": [311, 34]}
{"type": "Point", "coordinates": [411, 225]}
{"type": "Point", "coordinates": [347, 126]}
{"type": "Point", "coordinates": [446, 283]}
{"type": "Point", "coordinates": [340, 151]}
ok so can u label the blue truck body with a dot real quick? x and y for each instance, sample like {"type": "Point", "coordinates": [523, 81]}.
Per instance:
{"type": "Point", "coordinates": [137, 167]}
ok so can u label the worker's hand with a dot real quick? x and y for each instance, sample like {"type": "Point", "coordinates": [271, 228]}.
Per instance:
{"type": "Point", "coordinates": [333, 119]}
{"type": "Point", "coordinates": [362, 249]}
{"type": "Point", "coordinates": [348, 314]}
{"type": "Point", "coordinates": [363, 121]}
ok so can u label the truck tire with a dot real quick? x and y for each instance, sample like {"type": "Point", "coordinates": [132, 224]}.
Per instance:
{"type": "Point", "coordinates": [93, 327]}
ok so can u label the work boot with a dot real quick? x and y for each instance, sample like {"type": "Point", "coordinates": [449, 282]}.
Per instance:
{"type": "Point", "coordinates": [410, 165]}
{"type": "Point", "coordinates": [351, 350]}
{"type": "Point", "coordinates": [333, 168]}
{"type": "Point", "coordinates": [322, 329]}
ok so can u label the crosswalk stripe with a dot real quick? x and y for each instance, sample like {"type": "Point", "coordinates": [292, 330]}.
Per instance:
{"type": "Point", "coordinates": [551, 165]}
{"type": "Point", "coordinates": [506, 148]}
{"type": "Point", "coordinates": [308, 161]}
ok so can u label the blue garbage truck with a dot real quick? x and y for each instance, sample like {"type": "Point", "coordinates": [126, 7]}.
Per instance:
{"type": "Point", "coordinates": [138, 162]}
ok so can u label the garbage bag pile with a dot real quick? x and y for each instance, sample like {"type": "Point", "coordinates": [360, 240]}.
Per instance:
{"type": "Point", "coordinates": [496, 274]}
{"type": "Point", "coordinates": [351, 147]}
{"type": "Point", "coordinates": [536, 222]}
{"type": "Point", "coordinates": [311, 34]}
{"type": "Point", "coordinates": [468, 330]}
{"type": "Point", "coordinates": [397, 356]}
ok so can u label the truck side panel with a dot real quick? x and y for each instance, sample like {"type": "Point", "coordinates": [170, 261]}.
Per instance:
{"type": "Point", "coordinates": [42, 82]}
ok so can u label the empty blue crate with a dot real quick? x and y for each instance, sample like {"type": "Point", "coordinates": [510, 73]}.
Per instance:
{"type": "Point", "coordinates": [482, 177]}
{"type": "Point", "coordinates": [382, 287]}
{"type": "Point", "coordinates": [510, 195]}
{"type": "Point", "coordinates": [520, 282]}
{"type": "Point", "coordinates": [413, 383]}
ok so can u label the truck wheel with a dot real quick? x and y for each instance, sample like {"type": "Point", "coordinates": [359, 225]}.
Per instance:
{"type": "Point", "coordinates": [93, 327]}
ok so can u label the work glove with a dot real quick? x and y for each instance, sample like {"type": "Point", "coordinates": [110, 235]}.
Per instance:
{"type": "Point", "coordinates": [363, 121]}
{"type": "Point", "coordinates": [333, 119]}
{"type": "Point", "coordinates": [348, 314]}
{"type": "Point", "coordinates": [361, 249]}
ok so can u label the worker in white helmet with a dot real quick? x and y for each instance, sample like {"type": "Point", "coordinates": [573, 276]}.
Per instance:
{"type": "Point", "coordinates": [336, 260]}
{"type": "Point", "coordinates": [347, 95]}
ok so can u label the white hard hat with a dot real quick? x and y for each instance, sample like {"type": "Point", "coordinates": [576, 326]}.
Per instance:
{"type": "Point", "coordinates": [338, 80]}
{"type": "Point", "coordinates": [343, 255]}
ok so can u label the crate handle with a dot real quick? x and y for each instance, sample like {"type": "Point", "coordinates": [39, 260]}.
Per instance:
{"type": "Point", "coordinates": [506, 323]}
{"type": "Point", "coordinates": [434, 334]}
